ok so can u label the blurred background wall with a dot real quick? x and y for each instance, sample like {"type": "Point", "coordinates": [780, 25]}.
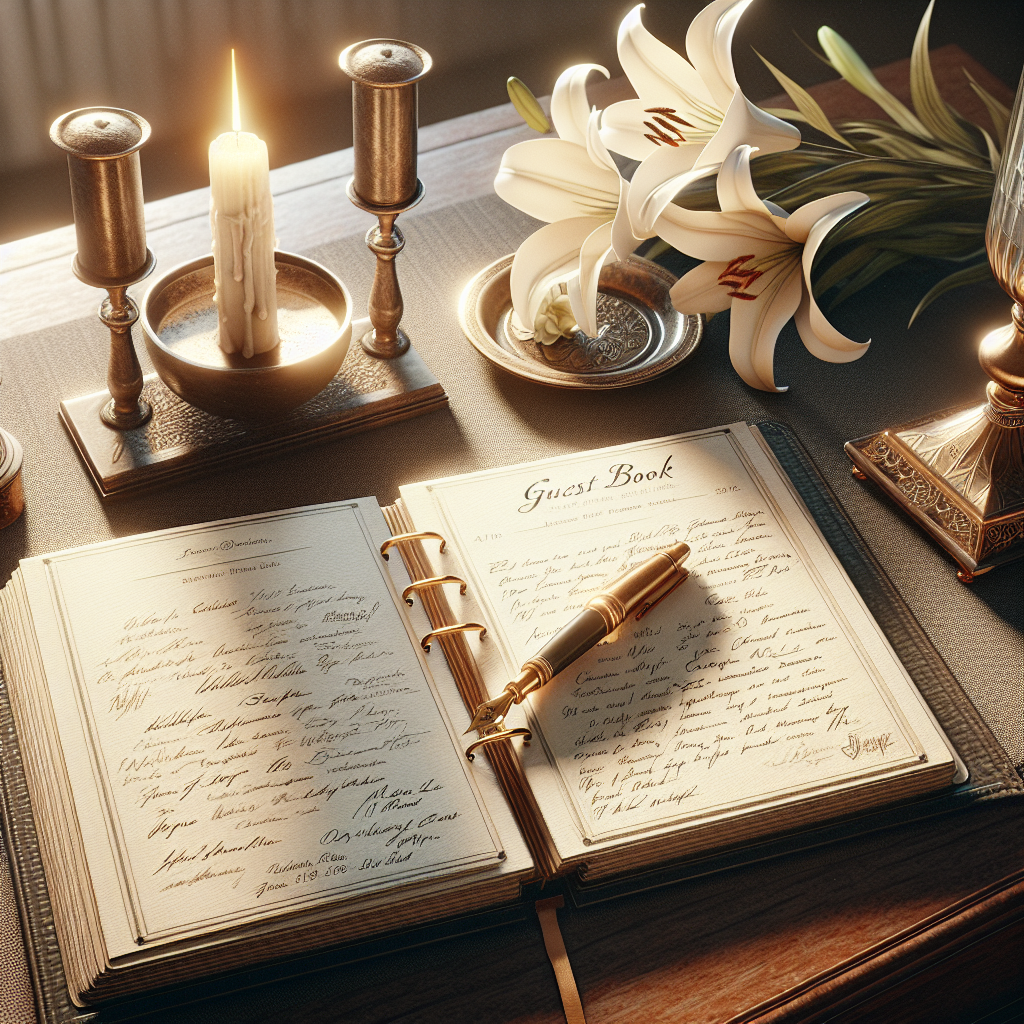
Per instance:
{"type": "Point", "coordinates": [168, 60]}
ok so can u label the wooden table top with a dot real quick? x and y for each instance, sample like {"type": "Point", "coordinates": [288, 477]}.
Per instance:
{"type": "Point", "coordinates": [924, 922]}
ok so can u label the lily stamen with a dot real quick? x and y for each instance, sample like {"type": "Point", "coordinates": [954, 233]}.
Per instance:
{"type": "Point", "coordinates": [738, 276]}
{"type": "Point", "coordinates": [671, 128]}
{"type": "Point", "coordinates": [659, 136]}
{"type": "Point", "coordinates": [735, 278]}
{"type": "Point", "coordinates": [670, 113]}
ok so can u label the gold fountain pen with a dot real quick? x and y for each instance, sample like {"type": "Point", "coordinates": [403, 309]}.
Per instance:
{"type": "Point", "coordinates": [633, 594]}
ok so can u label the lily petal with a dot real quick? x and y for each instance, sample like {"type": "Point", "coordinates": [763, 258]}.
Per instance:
{"type": "Point", "coordinates": [709, 47]}
{"type": "Point", "coordinates": [549, 255]}
{"type": "Point", "coordinates": [747, 124]}
{"type": "Point", "coordinates": [700, 291]}
{"type": "Point", "coordinates": [595, 252]}
{"type": "Point", "coordinates": [800, 222]}
{"type": "Point", "coordinates": [706, 235]}
{"type": "Point", "coordinates": [622, 129]}
{"type": "Point", "coordinates": [552, 179]}
{"type": "Point", "coordinates": [657, 181]}
{"type": "Point", "coordinates": [660, 76]}
{"type": "Point", "coordinates": [596, 149]}
{"type": "Point", "coordinates": [821, 339]}
{"type": "Point", "coordinates": [624, 238]}
{"type": "Point", "coordinates": [755, 324]}
{"type": "Point", "coordinates": [570, 108]}
{"type": "Point", "coordinates": [818, 335]}
{"type": "Point", "coordinates": [735, 186]}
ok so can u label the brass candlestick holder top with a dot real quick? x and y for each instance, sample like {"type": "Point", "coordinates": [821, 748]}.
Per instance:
{"type": "Point", "coordinates": [385, 118]}
{"type": "Point", "coordinates": [103, 146]}
{"type": "Point", "coordinates": [385, 75]}
{"type": "Point", "coordinates": [961, 476]}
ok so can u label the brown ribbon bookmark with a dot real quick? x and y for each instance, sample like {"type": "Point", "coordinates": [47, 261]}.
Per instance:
{"type": "Point", "coordinates": [546, 912]}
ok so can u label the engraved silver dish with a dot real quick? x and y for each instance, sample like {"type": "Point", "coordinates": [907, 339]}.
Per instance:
{"type": "Point", "coordinates": [641, 335]}
{"type": "Point", "coordinates": [179, 323]}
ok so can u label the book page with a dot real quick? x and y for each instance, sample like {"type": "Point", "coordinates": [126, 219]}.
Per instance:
{"type": "Point", "coordinates": [258, 721]}
{"type": "Point", "coordinates": [749, 683]}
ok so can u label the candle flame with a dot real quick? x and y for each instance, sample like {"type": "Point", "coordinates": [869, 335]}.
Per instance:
{"type": "Point", "coordinates": [236, 116]}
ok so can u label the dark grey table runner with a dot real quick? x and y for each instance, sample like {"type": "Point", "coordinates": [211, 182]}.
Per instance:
{"type": "Point", "coordinates": [496, 419]}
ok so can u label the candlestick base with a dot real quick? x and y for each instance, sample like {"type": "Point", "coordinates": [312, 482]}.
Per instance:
{"type": "Point", "coordinates": [181, 441]}
{"type": "Point", "coordinates": [385, 348]}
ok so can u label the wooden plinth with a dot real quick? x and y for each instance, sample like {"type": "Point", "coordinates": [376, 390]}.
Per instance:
{"type": "Point", "coordinates": [181, 440]}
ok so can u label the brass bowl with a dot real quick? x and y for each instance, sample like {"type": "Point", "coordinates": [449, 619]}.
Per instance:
{"type": "Point", "coordinates": [641, 335]}
{"type": "Point", "coordinates": [179, 322]}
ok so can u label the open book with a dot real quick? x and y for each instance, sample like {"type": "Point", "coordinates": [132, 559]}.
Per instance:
{"type": "Point", "coordinates": [237, 748]}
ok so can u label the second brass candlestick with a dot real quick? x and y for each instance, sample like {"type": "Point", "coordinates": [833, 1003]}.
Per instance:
{"type": "Point", "coordinates": [385, 74]}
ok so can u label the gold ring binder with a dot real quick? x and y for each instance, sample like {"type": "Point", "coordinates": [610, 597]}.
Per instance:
{"type": "Point", "coordinates": [421, 535]}
{"type": "Point", "coordinates": [433, 581]}
{"type": "Point", "coordinates": [458, 627]}
{"type": "Point", "coordinates": [494, 737]}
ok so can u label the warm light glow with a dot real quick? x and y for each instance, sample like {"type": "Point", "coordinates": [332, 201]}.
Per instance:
{"type": "Point", "coordinates": [236, 116]}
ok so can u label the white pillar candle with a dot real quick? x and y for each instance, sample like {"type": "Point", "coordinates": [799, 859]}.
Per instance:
{"type": "Point", "coordinates": [242, 222]}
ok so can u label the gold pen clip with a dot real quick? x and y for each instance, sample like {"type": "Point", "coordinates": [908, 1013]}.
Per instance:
{"type": "Point", "coordinates": [661, 597]}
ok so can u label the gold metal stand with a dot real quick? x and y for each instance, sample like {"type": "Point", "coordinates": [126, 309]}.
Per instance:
{"type": "Point", "coordinates": [961, 475]}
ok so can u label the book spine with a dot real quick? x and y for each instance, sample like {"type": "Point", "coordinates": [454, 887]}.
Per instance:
{"type": "Point", "coordinates": [451, 638]}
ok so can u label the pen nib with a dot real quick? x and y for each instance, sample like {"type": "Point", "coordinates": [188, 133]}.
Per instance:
{"type": "Point", "coordinates": [492, 712]}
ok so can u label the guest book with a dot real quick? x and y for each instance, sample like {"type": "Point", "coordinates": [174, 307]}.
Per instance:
{"type": "Point", "coordinates": [237, 748]}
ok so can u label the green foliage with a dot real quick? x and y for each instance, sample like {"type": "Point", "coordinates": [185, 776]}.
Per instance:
{"type": "Point", "coordinates": [928, 172]}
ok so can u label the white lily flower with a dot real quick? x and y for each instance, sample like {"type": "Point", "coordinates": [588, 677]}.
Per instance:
{"type": "Point", "coordinates": [572, 183]}
{"type": "Point", "coordinates": [759, 265]}
{"type": "Point", "coordinates": [688, 117]}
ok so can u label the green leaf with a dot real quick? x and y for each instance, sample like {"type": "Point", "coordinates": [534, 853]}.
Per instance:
{"type": "Point", "coordinates": [930, 150]}
{"type": "Point", "coordinates": [844, 267]}
{"type": "Point", "coordinates": [928, 102]}
{"type": "Point", "coordinates": [907, 146]}
{"type": "Point", "coordinates": [994, 156]}
{"type": "Point", "coordinates": [937, 245]}
{"type": "Point", "coordinates": [527, 106]}
{"type": "Point", "coordinates": [980, 271]}
{"type": "Point", "coordinates": [848, 63]}
{"type": "Point", "coordinates": [1000, 115]}
{"type": "Point", "coordinates": [784, 112]}
{"type": "Point", "coordinates": [805, 102]}
{"type": "Point", "coordinates": [880, 264]}
{"type": "Point", "coordinates": [658, 248]}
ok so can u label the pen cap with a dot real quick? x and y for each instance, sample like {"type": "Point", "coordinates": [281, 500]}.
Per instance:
{"type": "Point", "coordinates": [642, 586]}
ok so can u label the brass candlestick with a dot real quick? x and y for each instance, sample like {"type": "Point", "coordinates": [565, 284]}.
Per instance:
{"type": "Point", "coordinates": [961, 476]}
{"type": "Point", "coordinates": [106, 192]}
{"type": "Point", "coordinates": [385, 73]}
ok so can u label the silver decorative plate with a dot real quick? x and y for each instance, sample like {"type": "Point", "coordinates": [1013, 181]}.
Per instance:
{"type": "Point", "coordinates": [641, 336]}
